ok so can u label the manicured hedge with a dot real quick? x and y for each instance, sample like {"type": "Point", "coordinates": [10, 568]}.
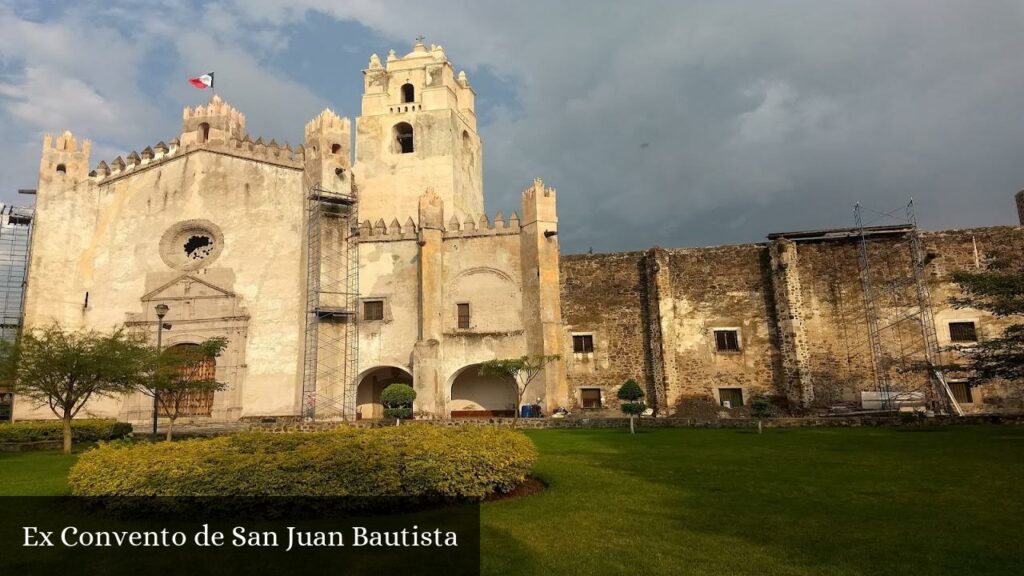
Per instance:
{"type": "Point", "coordinates": [419, 461]}
{"type": "Point", "coordinates": [53, 430]}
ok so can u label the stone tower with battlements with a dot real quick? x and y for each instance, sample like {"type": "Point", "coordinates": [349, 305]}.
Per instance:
{"type": "Point", "coordinates": [417, 131]}
{"type": "Point", "coordinates": [218, 225]}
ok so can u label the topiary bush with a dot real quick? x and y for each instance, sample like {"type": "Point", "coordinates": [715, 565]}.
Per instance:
{"type": "Point", "coordinates": [397, 400]}
{"type": "Point", "coordinates": [632, 404]}
{"type": "Point", "coordinates": [91, 430]}
{"type": "Point", "coordinates": [761, 407]}
{"type": "Point", "coordinates": [419, 461]}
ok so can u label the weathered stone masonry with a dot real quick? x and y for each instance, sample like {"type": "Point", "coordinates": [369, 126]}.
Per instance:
{"type": "Point", "coordinates": [214, 224]}
{"type": "Point", "coordinates": [796, 305]}
{"type": "Point", "coordinates": [789, 309]}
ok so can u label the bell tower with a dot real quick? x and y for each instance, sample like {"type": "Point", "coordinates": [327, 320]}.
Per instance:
{"type": "Point", "coordinates": [417, 131]}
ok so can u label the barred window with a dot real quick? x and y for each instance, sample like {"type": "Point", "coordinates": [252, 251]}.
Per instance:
{"type": "Point", "coordinates": [462, 310]}
{"type": "Point", "coordinates": [590, 397]}
{"type": "Point", "coordinates": [962, 392]}
{"type": "Point", "coordinates": [583, 343]}
{"type": "Point", "coordinates": [730, 397]}
{"type": "Point", "coordinates": [727, 340]}
{"type": "Point", "coordinates": [373, 310]}
{"type": "Point", "coordinates": [962, 332]}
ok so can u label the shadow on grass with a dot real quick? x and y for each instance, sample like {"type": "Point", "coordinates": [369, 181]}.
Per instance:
{"type": "Point", "coordinates": [801, 501]}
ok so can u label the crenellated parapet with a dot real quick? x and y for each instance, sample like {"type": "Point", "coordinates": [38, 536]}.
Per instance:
{"type": "Point", "coordinates": [258, 150]}
{"type": "Point", "coordinates": [472, 227]}
{"type": "Point", "coordinates": [64, 160]}
{"type": "Point", "coordinates": [380, 232]}
{"type": "Point", "coordinates": [539, 203]}
{"type": "Point", "coordinates": [326, 121]}
{"type": "Point", "coordinates": [328, 152]}
{"type": "Point", "coordinates": [216, 121]}
{"type": "Point", "coordinates": [215, 127]}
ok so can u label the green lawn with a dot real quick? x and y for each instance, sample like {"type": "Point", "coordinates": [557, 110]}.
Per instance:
{"type": "Point", "coordinates": [861, 501]}
{"type": "Point", "coordinates": [34, 473]}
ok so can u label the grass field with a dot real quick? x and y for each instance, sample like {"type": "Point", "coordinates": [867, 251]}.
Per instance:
{"type": "Point", "coordinates": [860, 501]}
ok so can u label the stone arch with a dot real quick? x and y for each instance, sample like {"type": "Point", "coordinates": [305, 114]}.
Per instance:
{"type": "Point", "coordinates": [404, 143]}
{"type": "Point", "coordinates": [493, 297]}
{"type": "Point", "coordinates": [408, 93]}
{"type": "Point", "coordinates": [371, 382]}
{"type": "Point", "coordinates": [472, 395]}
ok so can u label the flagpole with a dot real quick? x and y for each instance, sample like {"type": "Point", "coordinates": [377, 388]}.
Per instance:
{"type": "Point", "coordinates": [213, 81]}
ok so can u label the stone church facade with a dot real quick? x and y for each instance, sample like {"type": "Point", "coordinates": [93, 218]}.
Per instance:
{"type": "Point", "coordinates": [215, 225]}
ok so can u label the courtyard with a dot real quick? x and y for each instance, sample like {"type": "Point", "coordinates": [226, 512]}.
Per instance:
{"type": "Point", "coordinates": [822, 501]}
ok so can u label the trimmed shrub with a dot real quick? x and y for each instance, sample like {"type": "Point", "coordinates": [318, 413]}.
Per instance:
{"type": "Point", "coordinates": [418, 461]}
{"type": "Point", "coordinates": [397, 400]}
{"type": "Point", "coordinates": [92, 430]}
{"type": "Point", "coordinates": [761, 407]}
{"type": "Point", "coordinates": [632, 397]}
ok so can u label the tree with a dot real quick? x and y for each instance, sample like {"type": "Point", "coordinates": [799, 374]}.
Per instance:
{"type": "Point", "coordinates": [520, 372]}
{"type": "Point", "coordinates": [760, 408]}
{"type": "Point", "coordinates": [180, 374]}
{"type": "Point", "coordinates": [397, 399]}
{"type": "Point", "coordinates": [64, 369]}
{"type": "Point", "coordinates": [999, 290]}
{"type": "Point", "coordinates": [632, 397]}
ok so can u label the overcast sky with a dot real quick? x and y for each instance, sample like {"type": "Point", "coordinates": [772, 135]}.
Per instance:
{"type": "Point", "coordinates": [660, 123]}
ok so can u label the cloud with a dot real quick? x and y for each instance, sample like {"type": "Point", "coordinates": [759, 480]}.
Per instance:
{"type": "Point", "coordinates": [663, 123]}
{"type": "Point", "coordinates": [117, 75]}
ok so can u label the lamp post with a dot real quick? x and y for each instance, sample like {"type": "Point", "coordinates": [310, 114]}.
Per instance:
{"type": "Point", "coordinates": [161, 311]}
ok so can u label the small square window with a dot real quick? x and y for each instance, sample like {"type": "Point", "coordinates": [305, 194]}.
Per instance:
{"type": "Point", "coordinates": [463, 315]}
{"type": "Point", "coordinates": [727, 340]}
{"type": "Point", "coordinates": [583, 344]}
{"type": "Point", "coordinates": [590, 397]}
{"type": "Point", "coordinates": [730, 397]}
{"type": "Point", "coordinates": [962, 392]}
{"type": "Point", "coordinates": [373, 310]}
{"type": "Point", "coordinates": [962, 332]}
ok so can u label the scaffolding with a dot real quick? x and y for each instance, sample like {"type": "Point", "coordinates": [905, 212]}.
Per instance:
{"type": "Point", "coordinates": [902, 340]}
{"type": "Point", "coordinates": [15, 236]}
{"type": "Point", "coordinates": [332, 298]}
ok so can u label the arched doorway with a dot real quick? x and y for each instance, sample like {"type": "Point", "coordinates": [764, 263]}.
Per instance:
{"type": "Point", "coordinates": [371, 384]}
{"type": "Point", "coordinates": [473, 395]}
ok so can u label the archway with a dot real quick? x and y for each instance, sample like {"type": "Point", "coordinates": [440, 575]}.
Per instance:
{"type": "Point", "coordinates": [371, 384]}
{"type": "Point", "coordinates": [404, 138]}
{"type": "Point", "coordinates": [473, 395]}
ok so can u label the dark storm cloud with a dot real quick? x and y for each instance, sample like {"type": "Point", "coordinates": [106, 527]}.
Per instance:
{"type": "Point", "coordinates": [690, 123]}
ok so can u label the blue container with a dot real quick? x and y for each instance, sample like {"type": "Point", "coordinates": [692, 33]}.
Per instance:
{"type": "Point", "coordinates": [525, 411]}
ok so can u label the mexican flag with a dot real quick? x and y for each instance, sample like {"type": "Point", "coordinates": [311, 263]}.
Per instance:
{"type": "Point", "coordinates": [202, 82]}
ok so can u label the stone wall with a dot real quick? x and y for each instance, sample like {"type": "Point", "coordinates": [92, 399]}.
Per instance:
{"type": "Point", "coordinates": [106, 251]}
{"type": "Point", "coordinates": [602, 295]}
{"type": "Point", "coordinates": [798, 307]}
{"type": "Point", "coordinates": [725, 287]}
